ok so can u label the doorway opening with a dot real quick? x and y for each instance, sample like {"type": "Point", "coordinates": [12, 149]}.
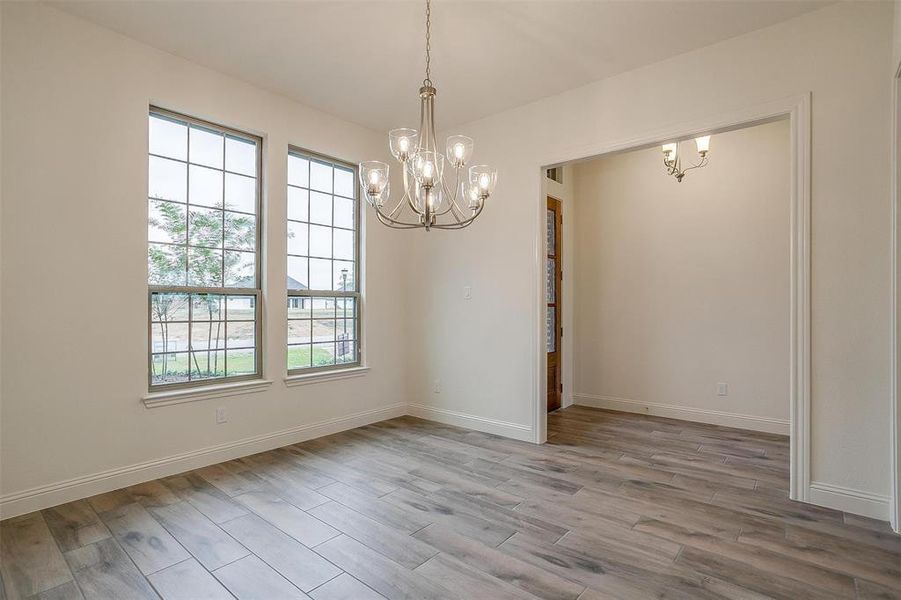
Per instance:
{"type": "Point", "coordinates": [669, 352]}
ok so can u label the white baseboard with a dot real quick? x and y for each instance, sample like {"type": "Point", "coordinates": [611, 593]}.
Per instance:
{"type": "Point", "coordinates": [53, 494]}
{"type": "Point", "coordinates": [450, 417]}
{"type": "Point", "coordinates": [685, 413]}
{"type": "Point", "coordinates": [850, 500]}
{"type": "Point", "coordinates": [38, 498]}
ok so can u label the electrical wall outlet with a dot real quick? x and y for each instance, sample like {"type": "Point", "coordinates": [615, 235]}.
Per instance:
{"type": "Point", "coordinates": [221, 415]}
{"type": "Point", "coordinates": [722, 389]}
{"type": "Point", "coordinates": [436, 387]}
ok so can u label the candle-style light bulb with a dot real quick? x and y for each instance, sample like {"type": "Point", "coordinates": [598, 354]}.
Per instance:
{"type": "Point", "coordinates": [484, 181]}
{"type": "Point", "coordinates": [404, 144]}
{"type": "Point", "coordinates": [458, 151]}
{"type": "Point", "coordinates": [374, 178]}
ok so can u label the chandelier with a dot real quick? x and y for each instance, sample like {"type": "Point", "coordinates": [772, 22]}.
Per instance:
{"type": "Point", "coordinates": [672, 157]}
{"type": "Point", "coordinates": [439, 192]}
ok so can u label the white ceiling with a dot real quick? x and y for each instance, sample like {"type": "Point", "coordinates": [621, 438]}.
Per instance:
{"type": "Point", "coordinates": [363, 61]}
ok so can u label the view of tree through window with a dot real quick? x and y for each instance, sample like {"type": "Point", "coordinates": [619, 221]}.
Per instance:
{"type": "Point", "coordinates": [323, 274]}
{"type": "Point", "coordinates": [203, 251]}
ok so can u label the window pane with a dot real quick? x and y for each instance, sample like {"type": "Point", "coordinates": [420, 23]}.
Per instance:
{"type": "Point", "coordinates": [241, 334]}
{"type": "Point", "coordinates": [206, 307]}
{"type": "Point", "coordinates": [300, 331]}
{"type": "Point", "coordinates": [320, 241]}
{"type": "Point", "coordinates": [298, 279]}
{"type": "Point", "coordinates": [344, 182]}
{"type": "Point", "coordinates": [167, 180]}
{"type": "Point", "coordinates": [323, 354]}
{"type": "Point", "coordinates": [168, 138]}
{"type": "Point", "coordinates": [298, 204]}
{"type": "Point", "coordinates": [298, 238]}
{"type": "Point", "coordinates": [320, 274]}
{"type": "Point", "coordinates": [240, 362]}
{"type": "Point", "coordinates": [168, 337]}
{"type": "Point", "coordinates": [323, 308]}
{"type": "Point", "coordinates": [299, 356]}
{"type": "Point", "coordinates": [345, 308]}
{"type": "Point", "coordinates": [344, 244]}
{"type": "Point", "coordinates": [166, 265]}
{"type": "Point", "coordinates": [240, 193]}
{"type": "Point", "coordinates": [320, 208]}
{"type": "Point", "coordinates": [166, 222]}
{"type": "Point", "coordinates": [344, 276]}
{"type": "Point", "coordinates": [551, 232]}
{"type": "Point", "coordinates": [299, 307]}
{"type": "Point", "coordinates": [168, 306]}
{"type": "Point", "coordinates": [323, 330]}
{"type": "Point", "coordinates": [240, 231]}
{"type": "Point", "coordinates": [204, 267]}
{"type": "Point", "coordinates": [551, 329]}
{"type": "Point", "coordinates": [209, 335]}
{"type": "Point", "coordinates": [345, 327]}
{"type": "Point", "coordinates": [240, 308]}
{"type": "Point", "coordinates": [205, 187]}
{"type": "Point", "coordinates": [298, 171]}
{"type": "Point", "coordinates": [206, 365]}
{"type": "Point", "coordinates": [240, 269]}
{"type": "Point", "coordinates": [206, 147]}
{"type": "Point", "coordinates": [344, 213]}
{"type": "Point", "coordinates": [205, 227]}
{"type": "Point", "coordinates": [240, 156]}
{"type": "Point", "coordinates": [345, 351]}
{"type": "Point", "coordinates": [320, 176]}
{"type": "Point", "coordinates": [551, 281]}
{"type": "Point", "coordinates": [169, 368]}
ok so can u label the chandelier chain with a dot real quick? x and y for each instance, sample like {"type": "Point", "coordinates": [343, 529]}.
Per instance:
{"type": "Point", "coordinates": [428, 44]}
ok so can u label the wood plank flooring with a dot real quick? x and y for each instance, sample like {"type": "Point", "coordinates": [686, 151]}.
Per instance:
{"type": "Point", "coordinates": [614, 506]}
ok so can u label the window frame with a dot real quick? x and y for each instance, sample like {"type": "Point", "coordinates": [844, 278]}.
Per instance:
{"type": "Point", "coordinates": [357, 292]}
{"type": "Point", "coordinates": [225, 292]}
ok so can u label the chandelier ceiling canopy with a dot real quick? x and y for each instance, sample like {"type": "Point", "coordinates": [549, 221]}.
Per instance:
{"type": "Point", "coordinates": [438, 190]}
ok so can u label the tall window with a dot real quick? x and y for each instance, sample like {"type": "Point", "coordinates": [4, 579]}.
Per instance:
{"type": "Point", "coordinates": [323, 264]}
{"type": "Point", "coordinates": [203, 252]}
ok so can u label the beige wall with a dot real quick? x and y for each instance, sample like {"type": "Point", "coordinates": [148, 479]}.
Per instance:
{"type": "Point", "coordinates": [840, 54]}
{"type": "Point", "coordinates": [680, 286]}
{"type": "Point", "coordinates": [74, 275]}
{"type": "Point", "coordinates": [897, 36]}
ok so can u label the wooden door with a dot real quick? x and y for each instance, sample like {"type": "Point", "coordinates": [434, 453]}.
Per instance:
{"type": "Point", "coordinates": [554, 327]}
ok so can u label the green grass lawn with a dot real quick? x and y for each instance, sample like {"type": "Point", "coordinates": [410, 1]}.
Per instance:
{"type": "Point", "coordinates": [240, 362]}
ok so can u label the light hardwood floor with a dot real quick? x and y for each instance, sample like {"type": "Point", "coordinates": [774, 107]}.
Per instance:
{"type": "Point", "coordinates": [614, 506]}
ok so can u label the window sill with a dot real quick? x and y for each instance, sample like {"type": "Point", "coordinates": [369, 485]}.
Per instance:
{"type": "Point", "coordinates": [323, 376]}
{"type": "Point", "coordinates": [156, 399]}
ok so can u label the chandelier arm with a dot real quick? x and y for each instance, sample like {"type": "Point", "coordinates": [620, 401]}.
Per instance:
{"type": "Point", "coordinates": [458, 211]}
{"type": "Point", "coordinates": [396, 209]}
{"type": "Point", "coordinates": [394, 224]}
{"type": "Point", "coordinates": [464, 223]}
{"type": "Point", "coordinates": [702, 163]}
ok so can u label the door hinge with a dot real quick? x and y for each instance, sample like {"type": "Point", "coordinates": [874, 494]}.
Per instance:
{"type": "Point", "coordinates": [561, 332]}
